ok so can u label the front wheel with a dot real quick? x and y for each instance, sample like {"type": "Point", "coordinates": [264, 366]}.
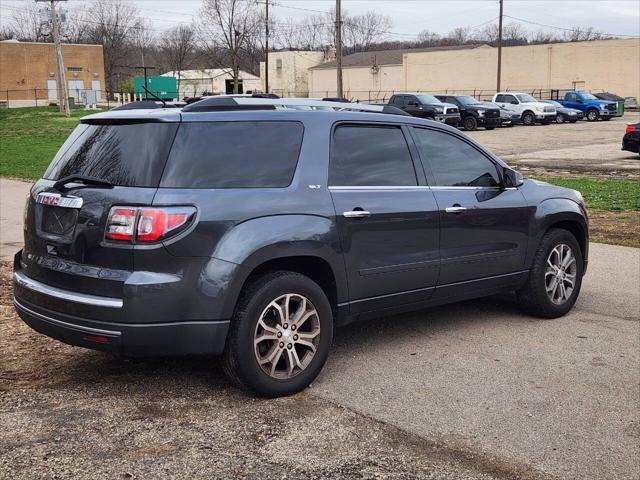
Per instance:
{"type": "Point", "coordinates": [593, 115]}
{"type": "Point", "coordinates": [555, 277]}
{"type": "Point", "coordinates": [560, 118]}
{"type": "Point", "coordinates": [528, 119]}
{"type": "Point", "coordinates": [470, 123]}
{"type": "Point", "coordinates": [280, 335]}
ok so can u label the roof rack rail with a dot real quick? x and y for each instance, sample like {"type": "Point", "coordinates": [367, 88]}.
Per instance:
{"type": "Point", "coordinates": [212, 104]}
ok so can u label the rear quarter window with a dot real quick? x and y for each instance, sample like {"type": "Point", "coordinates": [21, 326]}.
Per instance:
{"type": "Point", "coordinates": [234, 155]}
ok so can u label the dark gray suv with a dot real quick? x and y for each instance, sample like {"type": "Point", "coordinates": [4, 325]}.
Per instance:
{"type": "Point", "coordinates": [253, 234]}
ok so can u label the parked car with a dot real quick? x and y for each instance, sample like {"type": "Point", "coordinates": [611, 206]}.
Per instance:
{"type": "Point", "coordinates": [592, 107]}
{"type": "Point", "coordinates": [612, 97]}
{"type": "Point", "coordinates": [473, 113]}
{"type": "Point", "coordinates": [422, 105]}
{"type": "Point", "coordinates": [252, 234]}
{"type": "Point", "coordinates": [630, 103]}
{"type": "Point", "coordinates": [631, 139]}
{"type": "Point", "coordinates": [507, 117]}
{"type": "Point", "coordinates": [565, 114]}
{"type": "Point", "coordinates": [528, 108]}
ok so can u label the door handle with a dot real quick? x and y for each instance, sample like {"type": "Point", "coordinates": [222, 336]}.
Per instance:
{"type": "Point", "coordinates": [455, 209]}
{"type": "Point", "coordinates": [356, 214]}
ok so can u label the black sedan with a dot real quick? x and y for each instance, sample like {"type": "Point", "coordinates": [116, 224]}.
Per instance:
{"type": "Point", "coordinates": [631, 139]}
{"type": "Point", "coordinates": [565, 114]}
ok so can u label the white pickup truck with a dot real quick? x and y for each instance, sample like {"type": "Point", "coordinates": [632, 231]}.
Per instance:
{"type": "Point", "coordinates": [529, 109]}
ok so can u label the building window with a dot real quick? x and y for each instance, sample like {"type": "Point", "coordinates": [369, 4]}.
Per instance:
{"type": "Point", "coordinates": [74, 69]}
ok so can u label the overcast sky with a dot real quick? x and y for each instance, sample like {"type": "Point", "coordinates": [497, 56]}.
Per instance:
{"type": "Point", "coordinates": [621, 17]}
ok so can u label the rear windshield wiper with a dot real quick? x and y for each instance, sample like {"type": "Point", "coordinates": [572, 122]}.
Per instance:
{"type": "Point", "coordinates": [85, 179]}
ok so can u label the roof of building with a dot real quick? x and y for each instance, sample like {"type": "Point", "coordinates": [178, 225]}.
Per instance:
{"type": "Point", "coordinates": [386, 57]}
{"type": "Point", "coordinates": [209, 73]}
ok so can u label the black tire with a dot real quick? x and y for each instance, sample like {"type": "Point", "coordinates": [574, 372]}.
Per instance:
{"type": "Point", "coordinates": [560, 118]}
{"type": "Point", "coordinates": [528, 119]}
{"type": "Point", "coordinates": [469, 123]}
{"type": "Point", "coordinates": [239, 360]}
{"type": "Point", "coordinates": [592, 115]}
{"type": "Point", "coordinates": [533, 298]}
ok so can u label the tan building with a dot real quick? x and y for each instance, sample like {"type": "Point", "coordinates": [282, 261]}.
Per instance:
{"type": "Point", "coordinates": [604, 65]}
{"type": "Point", "coordinates": [28, 72]}
{"type": "Point", "coordinates": [288, 72]}
{"type": "Point", "coordinates": [192, 83]}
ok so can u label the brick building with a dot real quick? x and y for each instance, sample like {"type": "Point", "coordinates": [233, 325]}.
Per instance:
{"type": "Point", "coordinates": [28, 72]}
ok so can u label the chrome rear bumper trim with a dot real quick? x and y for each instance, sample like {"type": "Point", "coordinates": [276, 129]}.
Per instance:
{"type": "Point", "coordinates": [84, 298]}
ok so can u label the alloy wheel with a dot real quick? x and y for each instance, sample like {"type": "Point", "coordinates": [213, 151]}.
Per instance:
{"type": "Point", "coordinates": [560, 274]}
{"type": "Point", "coordinates": [287, 336]}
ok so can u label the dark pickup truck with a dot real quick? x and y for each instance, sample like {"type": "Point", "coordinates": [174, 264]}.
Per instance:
{"type": "Point", "coordinates": [422, 105]}
{"type": "Point", "coordinates": [473, 113]}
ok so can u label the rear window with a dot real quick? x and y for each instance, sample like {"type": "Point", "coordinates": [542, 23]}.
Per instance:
{"type": "Point", "coordinates": [233, 155]}
{"type": "Point", "coordinates": [130, 155]}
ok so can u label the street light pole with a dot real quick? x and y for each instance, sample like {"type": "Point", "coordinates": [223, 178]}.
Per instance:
{"type": "Point", "coordinates": [266, 48]}
{"type": "Point", "coordinates": [499, 48]}
{"type": "Point", "coordinates": [339, 48]}
{"type": "Point", "coordinates": [63, 95]}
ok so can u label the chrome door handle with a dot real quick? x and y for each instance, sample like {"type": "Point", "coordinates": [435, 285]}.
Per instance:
{"type": "Point", "coordinates": [455, 209]}
{"type": "Point", "coordinates": [356, 214]}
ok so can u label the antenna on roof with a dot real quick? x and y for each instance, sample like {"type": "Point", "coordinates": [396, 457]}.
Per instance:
{"type": "Point", "coordinates": [164, 103]}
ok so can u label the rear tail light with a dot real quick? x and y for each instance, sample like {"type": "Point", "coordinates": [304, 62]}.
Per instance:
{"type": "Point", "coordinates": [147, 225]}
{"type": "Point", "coordinates": [630, 128]}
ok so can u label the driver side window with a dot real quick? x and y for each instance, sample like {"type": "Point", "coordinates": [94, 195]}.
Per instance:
{"type": "Point", "coordinates": [453, 162]}
{"type": "Point", "coordinates": [510, 99]}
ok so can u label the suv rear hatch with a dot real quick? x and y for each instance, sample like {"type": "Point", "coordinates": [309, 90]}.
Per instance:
{"type": "Point", "coordinates": [107, 161]}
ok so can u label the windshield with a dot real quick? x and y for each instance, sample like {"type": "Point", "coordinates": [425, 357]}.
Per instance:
{"type": "Point", "coordinates": [467, 100]}
{"type": "Point", "coordinates": [589, 96]}
{"type": "Point", "coordinates": [525, 98]}
{"type": "Point", "coordinates": [427, 99]}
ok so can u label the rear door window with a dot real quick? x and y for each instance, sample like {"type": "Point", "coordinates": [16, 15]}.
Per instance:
{"type": "Point", "coordinates": [234, 155]}
{"type": "Point", "coordinates": [131, 155]}
{"type": "Point", "coordinates": [370, 156]}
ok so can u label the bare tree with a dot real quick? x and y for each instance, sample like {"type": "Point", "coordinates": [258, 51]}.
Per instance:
{"type": "Point", "coordinates": [143, 38]}
{"type": "Point", "coordinates": [428, 39]}
{"type": "Point", "coordinates": [26, 24]}
{"type": "Point", "coordinates": [232, 24]}
{"type": "Point", "coordinates": [76, 28]}
{"type": "Point", "coordinates": [361, 31]}
{"type": "Point", "coordinates": [113, 23]}
{"type": "Point", "coordinates": [578, 34]}
{"type": "Point", "coordinates": [178, 45]}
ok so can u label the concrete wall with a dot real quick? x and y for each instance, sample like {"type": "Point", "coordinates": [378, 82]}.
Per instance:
{"type": "Point", "coordinates": [26, 67]}
{"type": "Point", "coordinates": [358, 82]}
{"type": "Point", "coordinates": [194, 82]}
{"type": "Point", "coordinates": [610, 65]}
{"type": "Point", "coordinates": [288, 72]}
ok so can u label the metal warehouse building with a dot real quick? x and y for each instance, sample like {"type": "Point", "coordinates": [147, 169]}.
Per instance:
{"type": "Point", "coordinates": [603, 65]}
{"type": "Point", "coordinates": [28, 72]}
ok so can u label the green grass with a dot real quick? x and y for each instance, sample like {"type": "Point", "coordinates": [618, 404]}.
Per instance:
{"type": "Point", "coordinates": [611, 195]}
{"type": "Point", "coordinates": [30, 137]}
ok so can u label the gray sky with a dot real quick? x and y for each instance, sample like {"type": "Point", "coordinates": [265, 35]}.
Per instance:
{"type": "Point", "coordinates": [409, 17]}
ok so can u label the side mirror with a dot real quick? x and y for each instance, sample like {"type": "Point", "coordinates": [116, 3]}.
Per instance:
{"type": "Point", "coordinates": [578, 100]}
{"type": "Point", "coordinates": [512, 178]}
{"type": "Point", "coordinates": [514, 102]}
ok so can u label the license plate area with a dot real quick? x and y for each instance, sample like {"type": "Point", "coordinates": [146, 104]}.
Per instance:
{"type": "Point", "coordinates": [58, 222]}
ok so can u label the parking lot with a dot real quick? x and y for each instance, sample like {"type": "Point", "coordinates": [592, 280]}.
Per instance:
{"type": "Point", "coordinates": [474, 390]}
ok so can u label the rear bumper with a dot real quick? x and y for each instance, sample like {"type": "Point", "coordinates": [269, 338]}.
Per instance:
{"type": "Point", "coordinates": [135, 340]}
{"type": "Point", "coordinates": [108, 324]}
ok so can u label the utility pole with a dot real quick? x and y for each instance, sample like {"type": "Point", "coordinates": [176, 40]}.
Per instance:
{"type": "Point", "coordinates": [339, 48]}
{"type": "Point", "coordinates": [266, 48]}
{"type": "Point", "coordinates": [499, 48]}
{"type": "Point", "coordinates": [146, 86]}
{"type": "Point", "coordinates": [63, 95]}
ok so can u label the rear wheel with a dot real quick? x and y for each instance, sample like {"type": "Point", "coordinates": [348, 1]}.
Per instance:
{"type": "Point", "coordinates": [470, 123]}
{"type": "Point", "coordinates": [555, 277]}
{"type": "Point", "coordinates": [280, 335]}
{"type": "Point", "coordinates": [528, 119]}
{"type": "Point", "coordinates": [592, 115]}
